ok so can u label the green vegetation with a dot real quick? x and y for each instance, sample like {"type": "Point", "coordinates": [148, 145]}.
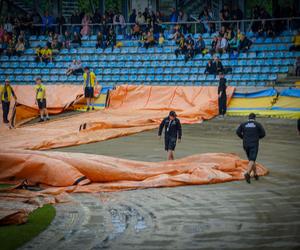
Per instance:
{"type": "Point", "coordinates": [14, 236]}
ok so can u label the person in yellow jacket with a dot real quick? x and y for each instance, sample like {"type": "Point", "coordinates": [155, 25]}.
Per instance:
{"type": "Point", "coordinates": [40, 99]}
{"type": "Point", "coordinates": [89, 82]}
{"type": "Point", "coordinates": [6, 92]}
{"type": "Point", "coordinates": [296, 41]}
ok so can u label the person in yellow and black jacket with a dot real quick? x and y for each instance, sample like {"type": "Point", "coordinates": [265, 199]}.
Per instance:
{"type": "Point", "coordinates": [89, 81]}
{"type": "Point", "coordinates": [6, 92]}
{"type": "Point", "coordinates": [40, 99]}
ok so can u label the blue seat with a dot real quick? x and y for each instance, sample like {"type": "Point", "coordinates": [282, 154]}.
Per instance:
{"type": "Point", "coordinates": [36, 71]}
{"type": "Point", "coordinates": [28, 78]}
{"type": "Point", "coordinates": [159, 78]}
{"type": "Point", "coordinates": [124, 78]}
{"type": "Point", "coordinates": [272, 77]}
{"type": "Point", "coordinates": [45, 71]}
{"type": "Point", "coordinates": [141, 78]}
{"type": "Point", "coordinates": [28, 71]}
{"type": "Point", "coordinates": [63, 78]}
{"type": "Point", "coordinates": [54, 78]}
{"type": "Point", "coordinates": [274, 69]}
{"type": "Point", "coordinates": [72, 78]}
{"type": "Point", "coordinates": [132, 78]}
{"type": "Point", "coordinates": [150, 78]}
{"type": "Point", "coordinates": [167, 78]}
{"type": "Point", "coordinates": [18, 78]}
{"type": "Point", "coordinates": [115, 78]}
{"type": "Point", "coordinates": [15, 65]}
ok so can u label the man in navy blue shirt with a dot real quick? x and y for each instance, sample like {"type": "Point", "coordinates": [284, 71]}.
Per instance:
{"type": "Point", "coordinates": [173, 132]}
{"type": "Point", "coordinates": [251, 132]}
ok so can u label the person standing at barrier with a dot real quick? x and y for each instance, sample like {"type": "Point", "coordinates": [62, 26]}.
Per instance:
{"type": "Point", "coordinates": [40, 99]}
{"type": "Point", "coordinates": [6, 92]}
{"type": "Point", "coordinates": [173, 132]}
{"type": "Point", "coordinates": [222, 96]}
{"type": "Point", "coordinates": [89, 80]}
{"type": "Point", "coordinates": [251, 132]}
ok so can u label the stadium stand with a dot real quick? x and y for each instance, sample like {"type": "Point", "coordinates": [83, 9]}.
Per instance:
{"type": "Point", "coordinates": [266, 60]}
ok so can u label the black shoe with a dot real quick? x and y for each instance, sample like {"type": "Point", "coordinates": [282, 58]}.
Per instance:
{"type": "Point", "coordinates": [41, 120]}
{"type": "Point", "coordinates": [93, 108]}
{"type": "Point", "coordinates": [256, 177]}
{"type": "Point", "coordinates": [88, 109]}
{"type": "Point", "coordinates": [47, 118]}
{"type": "Point", "coordinates": [247, 177]}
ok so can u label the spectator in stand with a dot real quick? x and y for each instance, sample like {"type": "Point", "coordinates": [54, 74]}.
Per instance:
{"type": "Point", "coordinates": [67, 40]}
{"type": "Point", "coordinates": [149, 40]}
{"type": "Point", "coordinates": [8, 26]}
{"type": "Point", "coordinates": [132, 17]}
{"type": "Point", "coordinates": [296, 41]}
{"type": "Point", "coordinates": [119, 22]}
{"type": "Point", "coordinates": [142, 39]}
{"type": "Point", "coordinates": [161, 40]}
{"type": "Point", "coordinates": [297, 66]}
{"type": "Point", "coordinates": [182, 46]}
{"type": "Point", "coordinates": [10, 51]}
{"type": "Point", "coordinates": [111, 40]}
{"type": "Point", "coordinates": [209, 68]}
{"type": "Point", "coordinates": [61, 21]}
{"type": "Point", "coordinates": [20, 47]}
{"type": "Point", "coordinates": [47, 23]}
{"type": "Point", "coordinates": [76, 39]}
{"type": "Point", "coordinates": [140, 20]}
{"type": "Point", "coordinates": [100, 40]}
{"type": "Point", "coordinates": [182, 19]}
{"type": "Point", "coordinates": [225, 15]}
{"type": "Point", "coordinates": [222, 45]}
{"type": "Point", "coordinates": [199, 46]}
{"type": "Point", "coordinates": [217, 66]}
{"type": "Point", "coordinates": [136, 31]}
{"type": "Point", "coordinates": [38, 53]}
{"type": "Point", "coordinates": [74, 68]}
{"type": "Point", "coordinates": [86, 29]}
{"type": "Point", "coordinates": [244, 44]}
{"type": "Point", "coordinates": [96, 20]}
{"type": "Point", "coordinates": [205, 19]}
{"type": "Point", "coordinates": [46, 54]}
{"type": "Point", "coordinates": [189, 54]}
{"type": "Point", "coordinates": [55, 46]}
{"type": "Point", "coordinates": [75, 20]}
{"type": "Point", "coordinates": [177, 35]}
{"type": "Point", "coordinates": [173, 16]}
{"type": "Point", "coordinates": [222, 31]}
{"type": "Point", "coordinates": [1, 45]}
{"type": "Point", "coordinates": [214, 45]}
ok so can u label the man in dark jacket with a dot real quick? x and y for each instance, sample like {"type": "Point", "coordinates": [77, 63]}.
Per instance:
{"type": "Point", "coordinates": [222, 96]}
{"type": "Point", "coordinates": [172, 133]}
{"type": "Point", "coordinates": [251, 132]}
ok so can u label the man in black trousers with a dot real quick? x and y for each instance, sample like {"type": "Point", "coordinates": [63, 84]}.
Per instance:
{"type": "Point", "coordinates": [222, 96]}
{"type": "Point", "coordinates": [172, 133]}
{"type": "Point", "coordinates": [6, 92]}
{"type": "Point", "coordinates": [251, 132]}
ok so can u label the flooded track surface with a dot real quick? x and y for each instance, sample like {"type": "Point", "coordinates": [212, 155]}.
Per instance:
{"type": "Point", "coordinates": [235, 215]}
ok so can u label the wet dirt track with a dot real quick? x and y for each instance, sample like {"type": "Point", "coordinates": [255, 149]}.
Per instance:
{"type": "Point", "coordinates": [235, 215]}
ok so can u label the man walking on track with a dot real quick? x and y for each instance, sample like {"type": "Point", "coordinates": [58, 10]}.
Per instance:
{"type": "Point", "coordinates": [251, 132]}
{"type": "Point", "coordinates": [89, 80]}
{"type": "Point", "coordinates": [222, 95]}
{"type": "Point", "coordinates": [40, 98]}
{"type": "Point", "coordinates": [6, 92]}
{"type": "Point", "coordinates": [172, 133]}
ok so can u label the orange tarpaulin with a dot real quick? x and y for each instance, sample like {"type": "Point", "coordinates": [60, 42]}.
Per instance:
{"type": "Point", "coordinates": [132, 109]}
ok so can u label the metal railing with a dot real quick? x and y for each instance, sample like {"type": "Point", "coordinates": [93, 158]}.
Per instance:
{"type": "Point", "coordinates": [202, 26]}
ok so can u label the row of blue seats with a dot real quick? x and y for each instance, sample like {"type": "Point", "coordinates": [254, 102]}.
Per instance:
{"type": "Point", "coordinates": [206, 37]}
{"type": "Point", "coordinates": [154, 64]}
{"type": "Point", "coordinates": [153, 57]}
{"type": "Point", "coordinates": [133, 78]}
{"type": "Point", "coordinates": [89, 49]}
{"type": "Point", "coordinates": [150, 71]}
